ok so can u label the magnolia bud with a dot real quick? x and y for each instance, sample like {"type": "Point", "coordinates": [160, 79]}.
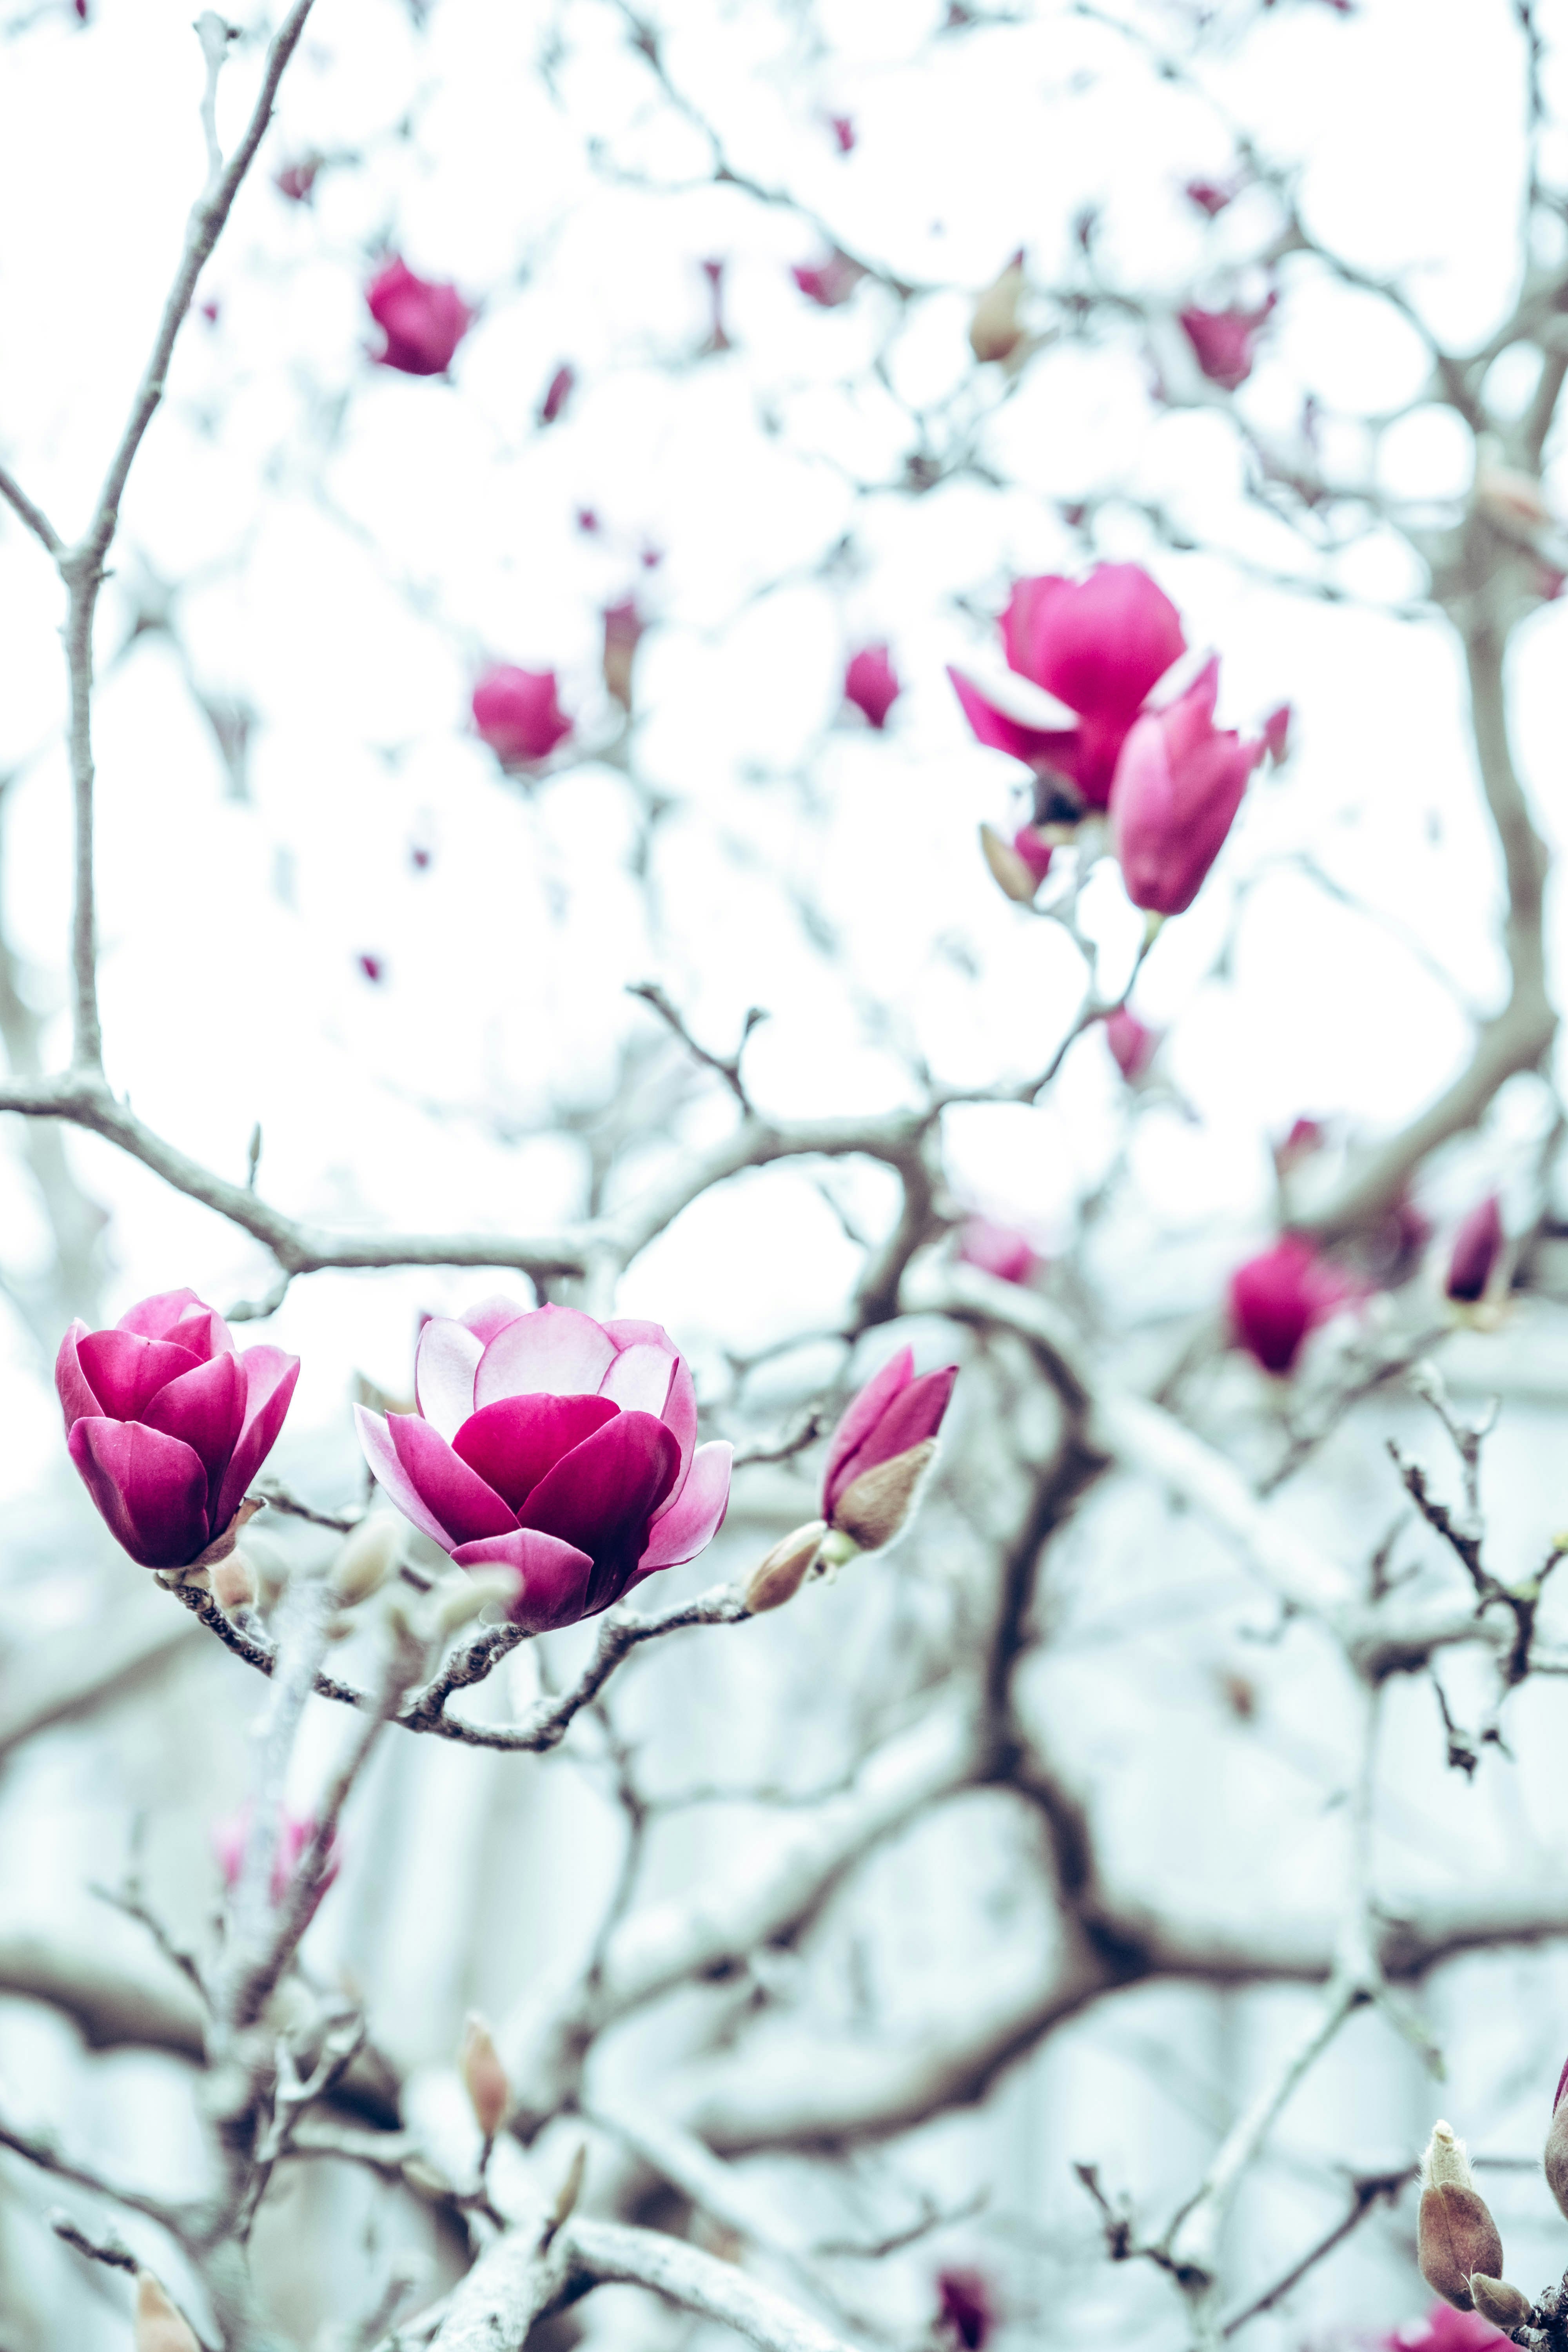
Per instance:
{"type": "Point", "coordinates": [366, 1558]}
{"type": "Point", "coordinates": [1556, 2160]}
{"type": "Point", "coordinates": [875, 1506]}
{"type": "Point", "coordinates": [1008, 871]}
{"type": "Point", "coordinates": [779, 1577]}
{"type": "Point", "coordinates": [995, 331]}
{"type": "Point", "coordinates": [484, 2076]}
{"type": "Point", "coordinates": [1501, 2303]}
{"type": "Point", "coordinates": [571, 2187]}
{"type": "Point", "coordinates": [1455, 2234]}
{"type": "Point", "coordinates": [457, 1600]}
{"type": "Point", "coordinates": [234, 1583]}
{"type": "Point", "coordinates": [160, 2326]}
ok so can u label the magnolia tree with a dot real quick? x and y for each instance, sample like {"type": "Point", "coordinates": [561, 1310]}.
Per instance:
{"type": "Point", "coordinates": [783, 810]}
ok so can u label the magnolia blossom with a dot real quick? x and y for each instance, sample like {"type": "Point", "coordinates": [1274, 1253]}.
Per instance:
{"type": "Point", "coordinates": [996, 1249]}
{"type": "Point", "coordinates": [828, 283]}
{"type": "Point", "coordinates": [1211, 196]}
{"type": "Point", "coordinates": [1478, 1246]}
{"type": "Point", "coordinates": [880, 1447]}
{"type": "Point", "coordinates": [295, 1832]}
{"type": "Point", "coordinates": [298, 181]}
{"type": "Point", "coordinates": [1179, 783]}
{"type": "Point", "coordinates": [871, 684]}
{"type": "Point", "coordinates": [1279, 1299]}
{"type": "Point", "coordinates": [843, 129]}
{"type": "Point", "coordinates": [1224, 341]}
{"type": "Point", "coordinates": [966, 2308]}
{"type": "Point", "coordinates": [424, 321]}
{"type": "Point", "coordinates": [516, 712]}
{"type": "Point", "coordinates": [555, 1445]}
{"type": "Point", "coordinates": [1133, 1047]}
{"type": "Point", "coordinates": [168, 1424]}
{"type": "Point", "coordinates": [1097, 646]}
{"type": "Point", "coordinates": [557, 394]}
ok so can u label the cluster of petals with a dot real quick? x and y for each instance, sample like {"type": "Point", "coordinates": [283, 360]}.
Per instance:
{"type": "Point", "coordinates": [1279, 1299]}
{"type": "Point", "coordinates": [422, 320]}
{"type": "Point", "coordinates": [545, 1442]}
{"type": "Point", "coordinates": [897, 1411]}
{"type": "Point", "coordinates": [1179, 784]}
{"type": "Point", "coordinates": [871, 683]}
{"type": "Point", "coordinates": [518, 714]}
{"type": "Point", "coordinates": [1225, 343]}
{"type": "Point", "coordinates": [168, 1424]}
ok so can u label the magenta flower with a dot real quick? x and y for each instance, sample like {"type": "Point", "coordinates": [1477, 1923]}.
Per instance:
{"type": "Point", "coordinates": [996, 1249]}
{"type": "Point", "coordinates": [1478, 1246]}
{"type": "Point", "coordinates": [966, 2308]}
{"type": "Point", "coordinates": [517, 714]}
{"type": "Point", "coordinates": [829, 283]}
{"type": "Point", "coordinates": [1133, 1047]}
{"type": "Point", "coordinates": [294, 1835]}
{"type": "Point", "coordinates": [871, 684]}
{"type": "Point", "coordinates": [168, 1424]}
{"type": "Point", "coordinates": [1279, 1299]}
{"type": "Point", "coordinates": [556, 1446]}
{"type": "Point", "coordinates": [1444, 2329]}
{"type": "Point", "coordinates": [1098, 645]}
{"type": "Point", "coordinates": [557, 395]}
{"type": "Point", "coordinates": [1179, 783]}
{"type": "Point", "coordinates": [1225, 341]}
{"type": "Point", "coordinates": [423, 320]}
{"type": "Point", "coordinates": [888, 1427]}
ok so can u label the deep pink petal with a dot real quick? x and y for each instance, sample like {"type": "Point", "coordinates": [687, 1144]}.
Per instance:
{"type": "Point", "coordinates": [861, 1415]}
{"type": "Point", "coordinates": [375, 1438]}
{"type": "Point", "coordinates": [155, 1318]}
{"type": "Point", "coordinates": [445, 1363]}
{"type": "Point", "coordinates": [492, 1316]}
{"type": "Point", "coordinates": [512, 1443]}
{"type": "Point", "coordinates": [696, 1516]}
{"type": "Point", "coordinates": [555, 1576]}
{"type": "Point", "coordinates": [456, 1497]}
{"type": "Point", "coordinates": [203, 1409]}
{"type": "Point", "coordinates": [72, 1386]}
{"type": "Point", "coordinates": [914, 1414]}
{"type": "Point", "coordinates": [995, 728]}
{"type": "Point", "coordinates": [602, 1496]}
{"type": "Point", "coordinates": [270, 1378]}
{"type": "Point", "coordinates": [1100, 645]}
{"type": "Point", "coordinates": [125, 1371]}
{"type": "Point", "coordinates": [551, 1351]}
{"type": "Point", "coordinates": [150, 1489]}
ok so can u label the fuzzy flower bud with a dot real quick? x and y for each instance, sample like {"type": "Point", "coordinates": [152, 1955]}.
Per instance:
{"type": "Point", "coordinates": [623, 626]}
{"type": "Point", "coordinates": [1455, 2234]}
{"type": "Point", "coordinates": [1556, 2157]}
{"type": "Point", "coordinates": [874, 1506]}
{"type": "Point", "coordinates": [780, 1574]}
{"type": "Point", "coordinates": [1501, 2303]}
{"type": "Point", "coordinates": [1478, 1247]}
{"type": "Point", "coordinates": [234, 1583]}
{"type": "Point", "coordinates": [1132, 1045]}
{"type": "Point", "coordinates": [881, 1449]}
{"type": "Point", "coordinates": [871, 683]}
{"type": "Point", "coordinates": [1011, 872]}
{"type": "Point", "coordinates": [367, 1559]}
{"type": "Point", "coordinates": [483, 2076]}
{"type": "Point", "coordinates": [160, 2325]}
{"type": "Point", "coordinates": [995, 330]}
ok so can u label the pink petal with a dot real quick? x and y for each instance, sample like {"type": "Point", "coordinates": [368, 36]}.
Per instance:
{"type": "Point", "coordinates": [445, 1363]}
{"type": "Point", "coordinates": [492, 1316]}
{"type": "Point", "coordinates": [692, 1521]}
{"type": "Point", "coordinates": [914, 1414]}
{"type": "Point", "coordinates": [154, 1318]}
{"type": "Point", "coordinates": [627, 1330]}
{"type": "Point", "coordinates": [679, 1416]}
{"type": "Point", "coordinates": [512, 1443]}
{"type": "Point", "coordinates": [602, 1494]}
{"type": "Point", "coordinates": [375, 1439]}
{"type": "Point", "coordinates": [270, 1378]}
{"type": "Point", "coordinates": [456, 1496]}
{"type": "Point", "coordinates": [995, 728]}
{"type": "Point", "coordinates": [204, 1410]}
{"type": "Point", "coordinates": [639, 1380]}
{"type": "Point", "coordinates": [551, 1351]}
{"type": "Point", "coordinates": [555, 1576]}
{"type": "Point", "coordinates": [861, 1415]}
{"type": "Point", "coordinates": [125, 1371]}
{"type": "Point", "coordinates": [71, 1384]}
{"type": "Point", "coordinates": [151, 1489]}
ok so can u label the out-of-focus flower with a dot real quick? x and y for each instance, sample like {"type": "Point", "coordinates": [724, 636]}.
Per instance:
{"type": "Point", "coordinates": [966, 2308]}
{"type": "Point", "coordinates": [995, 330]}
{"type": "Point", "coordinates": [373, 967]}
{"type": "Point", "coordinates": [996, 1249]}
{"type": "Point", "coordinates": [1133, 1047]}
{"type": "Point", "coordinates": [624, 627]}
{"type": "Point", "coordinates": [830, 282]}
{"type": "Point", "coordinates": [1306, 1137]}
{"type": "Point", "coordinates": [1211, 196]}
{"type": "Point", "coordinates": [1455, 2233]}
{"type": "Point", "coordinates": [1097, 646]}
{"type": "Point", "coordinates": [1556, 2157]}
{"type": "Point", "coordinates": [167, 1424]}
{"type": "Point", "coordinates": [871, 684]}
{"type": "Point", "coordinates": [1478, 1247]}
{"type": "Point", "coordinates": [557, 395]}
{"type": "Point", "coordinates": [1443, 2330]}
{"type": "Point", "coordinates": [295, 1832]}
{"type": "Point", "coordinates": [1179, 783]}
{"type": "Point", "coordinates": [420, 856]}
{"type": "Point", "coordinates": [1278, 1298]}
{"type": "Point", "coordinates": [1017, 866]}
{"type": "Point", "coordinates": [159, 2326]}
{"type": "Point", "coordinates": [517, 714]}
{"type": "Point", "coordinates": [718, 338]}
{"type": "Point", "coordinates": [297, 180]}
{"type": "Point", "coordinates": [843, 129]}
{"type": "Point", "coordinates": [1277, 734]}
{"type": "Point", "coordinates": [881, 1450]}
{"type": "Point", "coordinates": [1225, 341]}
{"type": "Point", "coordinates": [555, 1445]}
{"type": "Point", "coordinates": [209, 310]}
{"type": "Point", "coordinates": [651, 558]}
{"type": "Point", "coordinates": [483, 2076]}
{"type": "Point", "coordinates": [1031, 845]}
{"type": "Point", "coordinates": [587, 521]}
{"type": "Point", "coordinates": [424, 319]}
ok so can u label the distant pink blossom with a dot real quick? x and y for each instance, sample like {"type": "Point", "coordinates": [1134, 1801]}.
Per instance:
{"type": "Point", "coordinates": [843, 129]}
{"type": "Point", "coordinates": [966, 2308]}
{"type": "Point", "coordinates": [1133, 1047]}
{"type": "Point", "coordinates": [294, 1835]}
{"type": "Point", "coordinates": [1444, 2329]}
{"type": "Point", "coordinates": [871, 684]}
{"type": "Point", "coordinates": [829, 283]}
{"type": "Point", "coordinates": [996, 1249]}
{"type": "Point", "coordinates": [1211, 196]}
{"type": "Point", "coordinates": [516, 712]}
{"type": "Point", "coordinates": [1225, 341]}
{"type": "Point", "coordinates": [557, 395]}
{"type": "Point", "coordinates": [1279, 1299]}
{"type": "Point", "coordinates": [424, 319]}
{"type": "Point", "coordinates": [298, 181]}
{"type": "Point", "coordinates": [1179, 784]}
{"type": "Point", "coordinates": [373, 967]}
{"type": "Point", "coordinates": [1478, 1246]}
{"type": "Point", "coordinates": [1276, 733]}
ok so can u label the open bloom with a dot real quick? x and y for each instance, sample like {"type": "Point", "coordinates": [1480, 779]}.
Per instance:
{"type": "Point", "coordinates": [555, 1445]}
{"type": "Point", "coordinates": [1096, 645]}
{"type": "Point", "coordinates": [516, 713]}
{"type": "Point", "coordinates": [1179, 783]}
{"type": "Point", "coordinates": [1280, 1297]}
{"type": "Point", "coordinates": [168, 1424]}
{"type": "Point", "coordinates": [881, 1447]}
{"type": "Point", "coordinates": [1225, 341]}
{"type": "Point", "coordinates": [1478, 1246]}
{"type": "Point", "coordinates": [423, 320]}
{"type": "Point", "coordinates": [871, 684]}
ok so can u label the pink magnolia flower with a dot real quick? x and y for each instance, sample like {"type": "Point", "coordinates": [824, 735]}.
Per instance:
{"type": "Point", "coordinates": [297, 180]}
{"type": "Point", "coordinates": [1444, 2329]}
{"type": "Point", "coordinates": [1133, 1047]}
{"type": "Point", "coordinates": [1478, 1246]}
{"type": "Point", "coordinates": [893, 1413]}
{"type": "Point", "coordinates": [843, 129]}
{"type": "Point", "coordinates": [1279, 1299]}
{"type": "Point", "coordinates": [168, 1424]}
{"type": "Point", "coordinates": [828, 283]}
{"type": "Point", "coordinates": [1224, 341]}
{"type": "Point", "coordinates": [966, 2308]}
{"type": "Point", "coordinates": [424, 321]}
{"type": "Point", "coordinates": [294, 1835]}
{"type": "Point", "coordinates": [557, 395]}
{"type": "Point", "coordinates": [1179, 783]}
{"type": "Point", "coordinates": [996, 1249]}
{"type": "Point", "coordinates": [1211, 196]}
{"type": "Point", "coordinates": [871, 684]}
{"type": "Point", "coordinates": [1098, 645]}
{"type": "Point", "coordinates": [373, 967]}
{"type": "Point", "coordinates": [556, 1446]}
{"type": "Point", "coordinates": [517, 714]}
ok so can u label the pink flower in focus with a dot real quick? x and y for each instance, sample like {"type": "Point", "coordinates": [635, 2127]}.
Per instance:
{"type": "Point", "coordinates": [1277, 734]}
{"type": "Point", "coordinates": [829, 283]}
{"type": "Point", "coordinates": [1444, 2329]}
{"type": "Point", "coordinates": [1224, 341]}
{"type": "Point", "coordinates": [1278, 1300]}
{"type": "Point", "coordinates": [893, 1413]}
{"type": "Point", "coordinates": [966, 2309]}
{"type": "Point", "coordinates": [1179, 783]}
{"type": "Point", "coordinates": [294, 1835]}
{"type": "Point", "coordinates": [1133, 1047]}
{"type": "Point", "coordinates": [423, 320]}
{"type": "Point", "coordinates": [1478, 1246]}
{"type": "Point", "coordinates": [556, 1446]}
{"type": "Point", "coordinates": [843, 131]}
{"type": "Point", "coordinates": [167, 1424]}
{"type": "Point", "coordinates": [996, 1249]}
{"type": "Point", "coordinates": [558, 394]}
{"type": "Point", "coordinates": [517, 714]}
{"type": "Point", "coordinates": [871, 684]}
{"type": "Point", "coordinates": [1098, 645]}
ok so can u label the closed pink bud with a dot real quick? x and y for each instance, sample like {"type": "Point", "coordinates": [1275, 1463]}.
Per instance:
{"type": "Point", "coordinates": [1306, 1137]}
{"type": "Point", "coordinates": [966, 2308]}
{"type": "Point", "coordinates": [1478, 1247]}
{"type": "Point", "coordinates": [168, 1424]}
{"type": "Point", "coordinates": [160, 2325]}
{"type": "Point", "coordinates": [557, 395]}
{"type": "Point", "coordinates": [893, 1413]}
{"type": "Point", "coordinates": [1133, 1047]}
{"type": "Point", "coordinates": [484, 2077]}
{"type": "Point", "coordinates": [843, 131]}
{"type": "Point", "coordinates": [298, 181]}
{"type": "Point", "coordinates": [1179, 783]}
{"type": "Point", "coordinates": [1277, 734]}
{"type": "Point", "coordinates": [871, 684]}
{"type": "Point", "coordinates": [1225, 341]}
{"type": "Point", "coordinates": [373, 967]}
{"type": "Point", "coordinates": [517, 714]}
{"type": "Point", "coordinates": [623, 628]}
{"type": "Point", "coordinates": [422, 320]}
{"type": "Point", "coordinates": [1211, 196]}
{"type": "Point", "coordinates": [828, 283]}
{"type": "Point", "coordinates": [1278, 1300]}
{"type": "Point", "coordinates": [996, 1249]}
{"type": "Point", "coordinates": [1556, 2161]}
